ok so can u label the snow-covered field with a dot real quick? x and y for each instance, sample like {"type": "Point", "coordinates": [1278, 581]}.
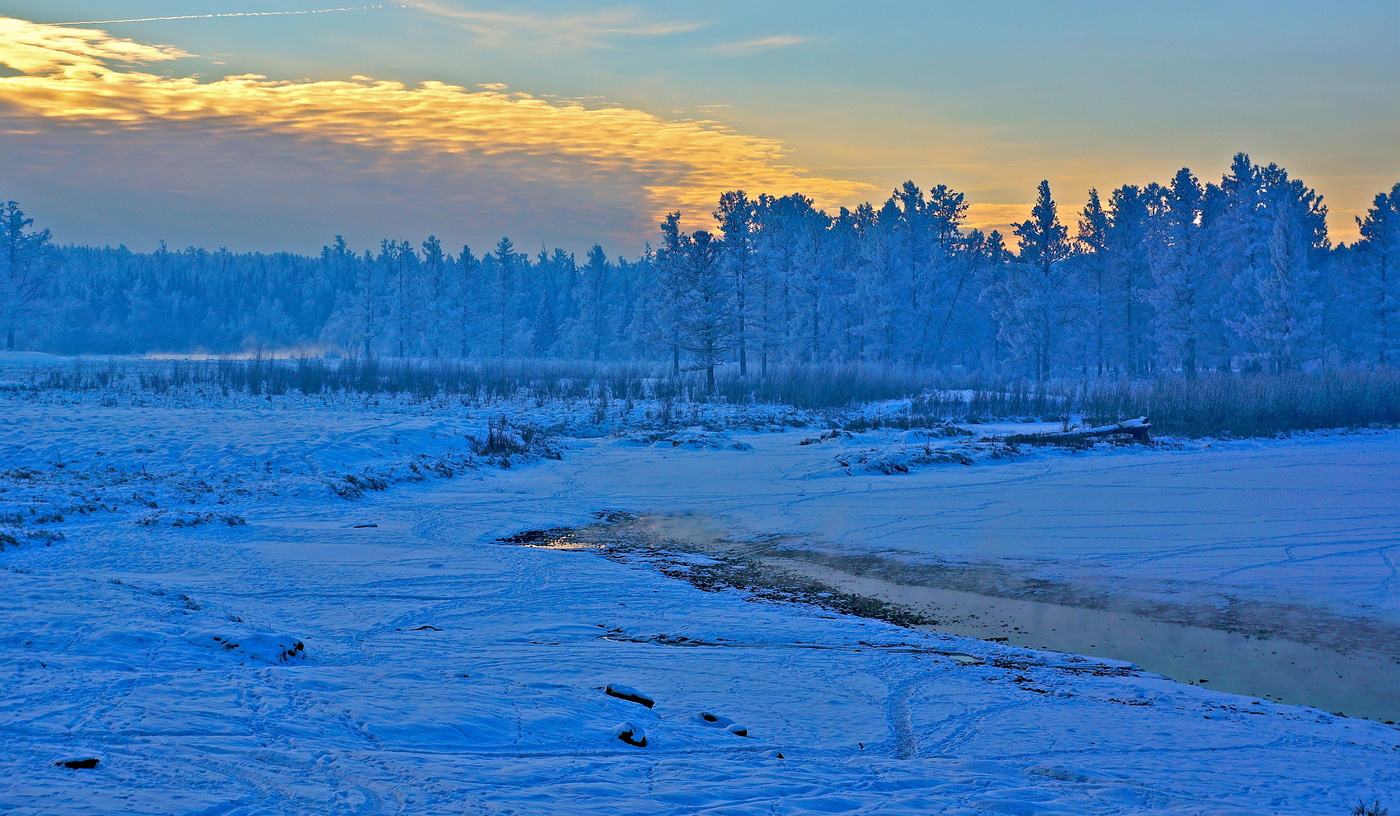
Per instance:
{"type": "Point", "coordinates": [230, 630]}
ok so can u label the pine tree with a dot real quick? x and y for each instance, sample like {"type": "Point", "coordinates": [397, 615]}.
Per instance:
{"type": "Point", "coordinates": [593, 301]}
{"type": "Point", "coordinates": [706, 296]}
{"type": "Point", "coordinates": [25, 258]}
{"type": "Point", "coordinates": [469, 292]}
{"type": "Point", "coordinates": [1035, 302]}
{"type": "Point", "coordinates": [950, 268]}
{"type": "Point", "coordinates": [736, 218]}
{"type": "Point", "coordinates": [1378, 262]}
{"type": "Point", "coordinates": [367, 318]}
{"type": "Point", "coordinates": [400, 264]}
{"type": "Point", "coordinates": [1182, 273]}
{"type": "Point", "coordinates": [503, 265]}
{"type": "Point", "coordinates": [671, 260]}
{"type": "Point", "coordinates": [810, 279]}
{"type": "Point", "coordinates": [1276, 224]}
{"type": "Point", "coordinates": [1093, 242]}
{"type": "Point", "coordinates": [434, 294]}
{"type": "Point", "coordinates": [1126, 243]}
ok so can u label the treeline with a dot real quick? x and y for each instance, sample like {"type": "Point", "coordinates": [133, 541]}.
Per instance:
{"type": "Point", "coordinates": [1182, 276]}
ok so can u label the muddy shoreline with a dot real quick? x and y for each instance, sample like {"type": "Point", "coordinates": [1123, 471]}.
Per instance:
{"type": "Point", "coordinates": [1281, 652]}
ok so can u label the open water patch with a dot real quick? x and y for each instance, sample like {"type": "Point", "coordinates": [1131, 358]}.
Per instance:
{"type": "Point", "coordinates": [1278, 652]}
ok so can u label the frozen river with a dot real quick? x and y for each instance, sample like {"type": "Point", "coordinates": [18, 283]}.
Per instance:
{"type": "Point", "coordinates": [1264, 568]}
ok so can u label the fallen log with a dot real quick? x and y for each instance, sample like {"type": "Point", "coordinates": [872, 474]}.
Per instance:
{"type": "Point", "coordinates": [1136, 430]}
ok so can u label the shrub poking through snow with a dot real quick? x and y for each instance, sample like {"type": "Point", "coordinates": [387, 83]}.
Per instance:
{"type": "Point", "coordinates": [502, 440]}
{"type": "Point", "coordinates": [187, 519]}
{"type": "Point", "coordinates": [259, 646]}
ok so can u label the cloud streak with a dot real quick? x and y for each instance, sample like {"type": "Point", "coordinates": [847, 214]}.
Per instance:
{"type": "Point", "coordinates": [82, 78]}
{"type": "Point", "coordinates": [228, 14]}
{"type": "Point", "coordinates": [580, 31]}
{"type": "Point", "coordinates": [760, 44]}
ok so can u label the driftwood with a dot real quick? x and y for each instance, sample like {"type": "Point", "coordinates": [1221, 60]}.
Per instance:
{"type": "Point", "coordinates": [1136, 430]}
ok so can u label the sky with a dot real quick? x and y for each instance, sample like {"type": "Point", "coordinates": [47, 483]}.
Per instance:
{"type": "Point", "coordinates": [276, 125]}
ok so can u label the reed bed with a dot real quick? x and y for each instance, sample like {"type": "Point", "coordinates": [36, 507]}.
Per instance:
{"type": "Point", "coordinates": [1216, 405]}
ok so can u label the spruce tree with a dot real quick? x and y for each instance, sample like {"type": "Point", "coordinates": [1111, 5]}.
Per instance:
{"type": "Point", "coordinates": [1378, 262]}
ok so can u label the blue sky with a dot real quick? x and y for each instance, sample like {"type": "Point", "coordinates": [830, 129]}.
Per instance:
{"type": "Point", "coordinates": [840, 100]}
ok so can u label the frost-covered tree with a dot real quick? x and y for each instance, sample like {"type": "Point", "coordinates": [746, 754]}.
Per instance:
{"type": "Point", "coordinates": [1035, 301]}
{"type": "Point", "coordinates": [1126, 243]}
{"type": "Point", "coordinates": [706, 298]}
{"type": "Point", "coordinates": [339, 264]}
{"type": "Point", "coordinates": [361, 318]}
{"type": "Point", "coordinates": [24, 261]}
{"type": "Point", "coordinates": [948, 269]}
{"type": "Point", "coordinates": [769, 297]}
{"type": "Point", "coordinates": [549, 291]}
{"type": "Point", "coordinates": [399, 265]}
{"type": "Point", "coordinates": [501, 278]}
{"type": "Point", "coordinates": [1093, 243]}
{"type": "Point", "coordinates": [1275, 224]}
{"type": "Point", "coordinates": [1173, 277]}
{"type": "Point", "coordinates": [736, 217]}
{"type": "Point", "coordinates": [1183, 273]}
{"type": "Point", "coordinates": [794, 317]}
{"type": "Point", "coordinates": [668, 302]}
{"type": "Point", "coordinates": [1377, 257]}
{"type": "Point", "coordinates": [592, 330]}
{"type": "Point", "coordinates": [434, 288]}
{"type": "Point", "coordinates": [468, 291]}
{"type": "Point", "coordinates": [929, 241]}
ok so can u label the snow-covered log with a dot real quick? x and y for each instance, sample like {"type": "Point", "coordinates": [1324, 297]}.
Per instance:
{"type": "Point", "coordinates": [1138, 430]}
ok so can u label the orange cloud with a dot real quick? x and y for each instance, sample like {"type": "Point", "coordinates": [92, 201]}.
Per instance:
{"type": "Point", "coordinates": [87, 77]}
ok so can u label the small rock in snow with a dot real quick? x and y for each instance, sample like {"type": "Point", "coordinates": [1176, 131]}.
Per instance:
{"type": "Point", "coordinates": [630, 734]}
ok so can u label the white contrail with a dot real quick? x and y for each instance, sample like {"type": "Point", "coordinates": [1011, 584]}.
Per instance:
{"type": "Point", "coordinates": [228, 14]}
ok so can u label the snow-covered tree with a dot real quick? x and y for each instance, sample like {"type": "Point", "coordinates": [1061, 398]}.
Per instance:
{"type": "Point", "coordinates": [706, 297]}
{"type": "Point", "coordinates": [1183, 273]}
{"type": "Point", "coordinates": [1126, 243]}
{"type": "Point", "coordinates": [1378, 273]}
{"type": "Point", "coordinates": [501, 267]}
{"type": "Point", "coordinates": [1035, 301]}
{"type": "Point", "coordinates": [592, 330]}
{"type": "Point", "coordinates": [1275, 224]}
{"type": "Point", "coordinates": [1093, 244]}
{"type": "Point", "coordinates": [24, 261]}
{"type": "Point", "coordinates": [469, 292]}
{"type": "Point", "coordinates": [1173, 277]}
{"type": "Point", "coordinates": [400, 270]}
{"type": "Point", "coordinates": [435, 288]}
{"type": "Point", "coordinates": [736, 217]}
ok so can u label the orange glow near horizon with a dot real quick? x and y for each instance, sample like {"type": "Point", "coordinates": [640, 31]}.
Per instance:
{"type": "Point", "coordinates": [86, 80]}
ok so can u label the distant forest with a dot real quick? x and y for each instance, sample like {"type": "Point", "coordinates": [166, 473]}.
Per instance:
{"type": "Point", "coordinates": [1181, 277]}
